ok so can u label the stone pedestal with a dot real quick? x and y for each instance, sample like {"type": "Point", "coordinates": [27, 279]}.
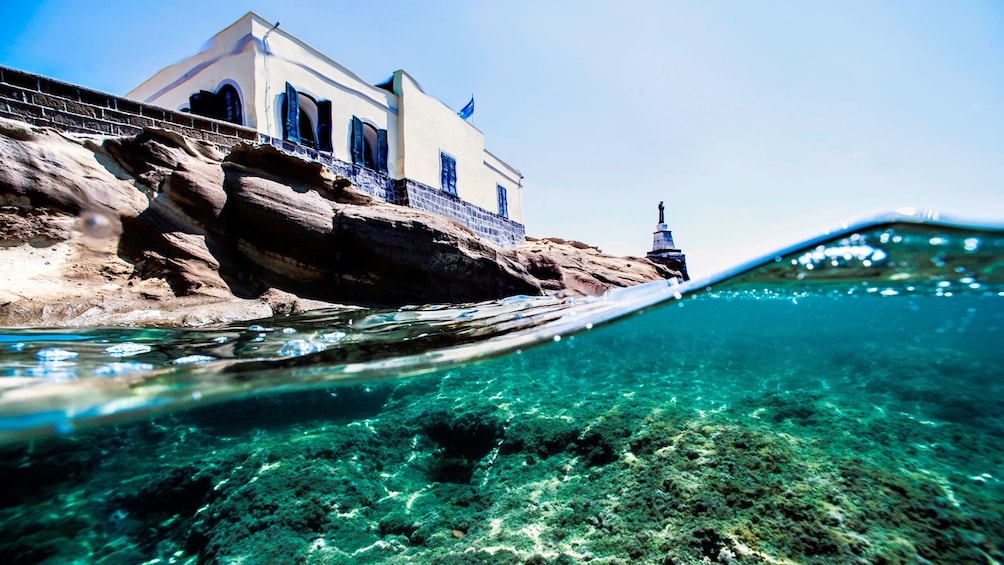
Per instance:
{"type": "Point", "coordinates": [662, 240]}
{"type": "Point", "coordinates": [665, 252]}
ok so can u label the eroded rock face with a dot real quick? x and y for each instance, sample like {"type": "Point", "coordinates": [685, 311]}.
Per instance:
{"type": "Point", "coordinates": [577, 269]}
{"type": "Point", "coordinates": [351, 247]}
{"type": "Point", "coordinates": [161, 223]}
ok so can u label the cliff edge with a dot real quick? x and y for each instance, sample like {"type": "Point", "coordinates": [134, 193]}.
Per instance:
{"type": "Point", "coordinates": [158, 229]}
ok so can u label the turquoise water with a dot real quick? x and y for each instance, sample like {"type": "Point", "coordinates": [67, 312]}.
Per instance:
{"type": "Point", "coordinates": [838, 402]}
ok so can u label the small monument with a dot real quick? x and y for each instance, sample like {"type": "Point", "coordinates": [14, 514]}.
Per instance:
{"type": "Point", "coordinates": [664, 250]}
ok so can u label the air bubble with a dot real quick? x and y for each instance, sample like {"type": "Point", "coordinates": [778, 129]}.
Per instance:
{"type": "Point", "coordinates": [96, 225]}
{"type": "Point", "coordinates": [127, 349]}
{"type": "Point", "coordinates": [298, 347]}
{"type": "Point", "coordinates": [55, 354]}
{"type": "Point", "coordinates": [122, 368]}
{"type": "Point", "coordinates": [332, 337]}
{"type": "Point", "coordinates": [193, 359]}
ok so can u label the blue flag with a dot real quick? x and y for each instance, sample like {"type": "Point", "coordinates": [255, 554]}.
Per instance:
{"type": "Point", "coordinates": [467, 110]}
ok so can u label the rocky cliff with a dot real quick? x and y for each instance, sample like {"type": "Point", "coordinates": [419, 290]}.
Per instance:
{"type": "Point", "coordinates": [159, 229]}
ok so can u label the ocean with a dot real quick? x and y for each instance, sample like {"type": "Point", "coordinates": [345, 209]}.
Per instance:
{"type": "Point", "coordinates": [839, 401]}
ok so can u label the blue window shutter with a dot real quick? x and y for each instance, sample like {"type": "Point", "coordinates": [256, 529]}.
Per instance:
{"type": "Point", "coordinates": [453, 176]}
{"type": "Point", "coordinates": [324, 125]}
{"type": "Point", "coordinates": [382, 150]}
{"type": "Point", "coordinates": [444, 175]}
{"type": "Point", "coordinates": [448, 173]}
{"type": "Point", "coordinates": [503, 201]}
{"type": "Point", "coordinates": [291, 124]}
{"type": "Point", "coordinates": [358, 152]}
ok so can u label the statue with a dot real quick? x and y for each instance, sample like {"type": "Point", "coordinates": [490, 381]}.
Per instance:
{"type": "Point", "coordinates": [662, 213]}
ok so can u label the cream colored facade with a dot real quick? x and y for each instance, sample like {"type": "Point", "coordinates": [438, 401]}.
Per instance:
{"type": "Point", "coordinates": [406, 130]}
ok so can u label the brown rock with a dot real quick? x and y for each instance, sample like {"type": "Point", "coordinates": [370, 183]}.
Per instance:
{"type": "Point", "coordinates": [350, 247]}
{"type": "Point", "coordinates": [157, 229]}
{"type": "Point", "coordinates": [572, 268]}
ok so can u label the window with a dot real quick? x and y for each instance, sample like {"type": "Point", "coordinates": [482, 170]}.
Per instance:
{"type": "Point", "coordinates": [296, 124]}
{"type": "Point", "coordinates": [369, 145]}
{"type": "Point", "coordinates": [224, 105]}
{"type": "Point", "coordinates": [448, 173]}
{"type": "Point", "coordinates": [503, 201]}
{"type": "Point", "coordinates": [231, 102]}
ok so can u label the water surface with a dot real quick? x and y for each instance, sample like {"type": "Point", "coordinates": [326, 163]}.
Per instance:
{"type": "Point", "coordinates": [839, 401]}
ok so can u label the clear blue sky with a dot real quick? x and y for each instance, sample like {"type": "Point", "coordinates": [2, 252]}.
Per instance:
{"type": "Point", "coordinates": [759, 123]}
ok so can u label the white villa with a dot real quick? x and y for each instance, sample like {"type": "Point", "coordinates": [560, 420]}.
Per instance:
{"type": "Point", "coordinates": [257, 75]}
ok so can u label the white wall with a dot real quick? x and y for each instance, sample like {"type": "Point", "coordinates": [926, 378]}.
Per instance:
{"type": "Point", "coordinates": [227, 59]}
{"type": "Point", "coordinates": [504, 174]}
{"type": "Point", "coordinates": [290, 60]}
{"type": "Point", "coordinates": [427, 127]}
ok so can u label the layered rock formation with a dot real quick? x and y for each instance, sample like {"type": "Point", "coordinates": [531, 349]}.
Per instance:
{"type": "Point", "coordinates": [159, 229]}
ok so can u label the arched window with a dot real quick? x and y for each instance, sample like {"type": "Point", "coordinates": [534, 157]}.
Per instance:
{"type": "Point", "coordinates": [369, 145]}
{"type": "Point", "coordinates": [224, 104]}
{"type": "Point", "coordinates": [300, 115]}
{"type": "Point", "coordinates": [230, 101]}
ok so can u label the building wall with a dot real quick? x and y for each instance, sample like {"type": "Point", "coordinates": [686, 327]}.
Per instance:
{"type": "Point", "coordinates": [284, 58]}
{"type": "Point", "coordinates": [428, 127]}
{"type": "Point", "coordinates": [505, 175]}
{"type": "Point", "coordinates": [500, 231]}
{"type": "Point", "coordinates": [227, 59]}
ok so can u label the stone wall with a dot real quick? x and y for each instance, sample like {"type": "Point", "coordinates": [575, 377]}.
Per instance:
{"type": "Point", "coordinates": [42, 101]}
{"type": "Point", "coordinates": [377, 185]}
{"type": "Point", "coordinates": [496, 229]}
{"type": "Point", "coordinates": [66, 107]}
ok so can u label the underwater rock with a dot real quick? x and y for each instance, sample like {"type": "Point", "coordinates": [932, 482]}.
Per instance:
{"type": "Point", "coordinates": [133, 229]}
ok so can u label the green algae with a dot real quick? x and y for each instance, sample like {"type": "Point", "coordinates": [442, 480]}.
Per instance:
{"type": "Point", "coordinates": [609, 448]}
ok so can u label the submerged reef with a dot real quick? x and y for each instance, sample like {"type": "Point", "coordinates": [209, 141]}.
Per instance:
{"type": "Point", "coordinates": [482, 466]}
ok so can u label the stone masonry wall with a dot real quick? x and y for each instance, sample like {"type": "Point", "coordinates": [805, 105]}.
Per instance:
{"type": "Point", "coordinates": [42, 101]}
{"type": "Point", "coordinates": [377, 185]}
{"type": "Point", "coordinates": [496, 229]}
